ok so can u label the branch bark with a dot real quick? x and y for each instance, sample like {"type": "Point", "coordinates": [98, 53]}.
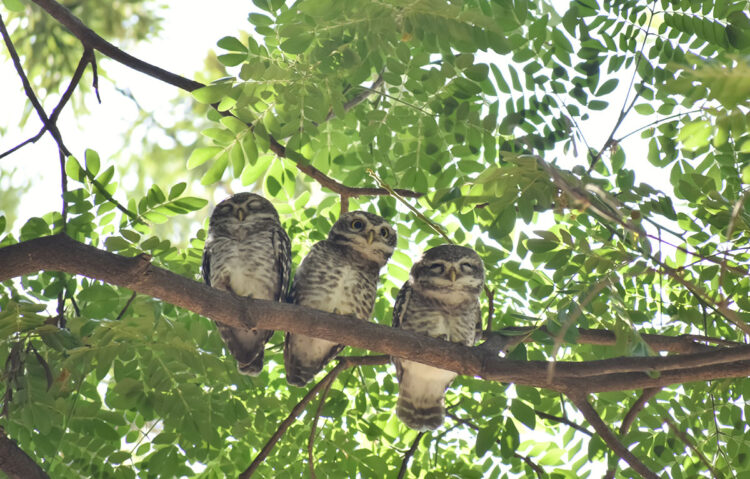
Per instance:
{"type": "Point", "coordinates": [16, 463]}
{"type": "Point", "coordinates": [582, 403]}
{"type": "Point", "coordinates": [61, 253]}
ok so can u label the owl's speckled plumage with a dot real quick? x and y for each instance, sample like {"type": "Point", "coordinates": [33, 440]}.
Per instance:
{"type": "Point", "coordinates": [248, 253]}
{"type": "Point", "coordinates": [440, 300]}
{"type": "Point", "coordinates": [339, 275]}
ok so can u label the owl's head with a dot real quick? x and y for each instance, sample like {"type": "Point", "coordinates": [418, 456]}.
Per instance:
{"type": "Point", "coordinates": [449, 273]}
{"type": "Point", "coordinates": [243, 208]}
{"type": "Point", "coordinates": [367, 234]}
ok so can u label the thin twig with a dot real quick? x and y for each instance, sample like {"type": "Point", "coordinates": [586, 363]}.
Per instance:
{"type": "Point", "coordinates": [344, 363]}
{"type": "Point", "coordinates": [125, 308]}
{"type": "Point", "coordinates": [30, 91]}
{"type": "Point", "coordinates": [50, 125]}
{"type": "Point", "coordinates": [580, 401]}
{"type": "Point", "coordinates": [686, 440]}
{"type": "Point", "coordinates": [563, 420]}
{"type": "Point", "coordinates": [490, 310]}
{"type": "Point", "coordinates": [360, 97]}
{"type": "Point", "coordinates": [625, 108]}
{"type": "Point", "coordinates": [657, 122]}
{"type": "Point", "coordinates": [534, 466]}
{"type": "Point", "coordinates": [314, 427]}
{"type": "Point", "coordinates": [408, 455]}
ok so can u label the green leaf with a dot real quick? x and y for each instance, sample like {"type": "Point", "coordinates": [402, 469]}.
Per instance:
{"type": "Point", "coordinates": [92, 162]}
{"type": "Point", "coordinates": [211, 93]}
{"type": "Point", "coordinates": [746, 175]}
{"type": "Point", "coordinates": [644, 109]}
{"type": "Point", "coordinates": [73, 169]}
{"type": "Point", "coordinates": [297, 44]}
{"type": "Point", "coordinates": [177, 190]}
{"type": "Point", "coordinates": [191, 203]}
{"type": "Point", "coordinates": [202, 155]}
{"type": "Point", "coordinates": [232, 44]}
{"type": "Point", "coordinates": [14, 5]}
{"type": "Point", "coordinates": [231, 59]}
{"type": "Point", "coordinates": [216, 171]}
{"type": "Point", "coordinates": [487, 436]}
{"type": "Point", "coordinates": [540, 245]}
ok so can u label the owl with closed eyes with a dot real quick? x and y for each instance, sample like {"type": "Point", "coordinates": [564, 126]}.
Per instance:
{"type": "Point", "coordinates": [339, 275]}
{"type": "Point", "coordinates": [247, 253]}
{"type": "Point", "coordinates": [440, 300]}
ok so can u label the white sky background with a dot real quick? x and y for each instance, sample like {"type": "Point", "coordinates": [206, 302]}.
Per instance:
{"type": "Point", "coordinates": [188, 32]}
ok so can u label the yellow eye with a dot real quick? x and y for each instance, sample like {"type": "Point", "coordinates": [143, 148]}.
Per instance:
{"type": "Point", "coordinates": [357, 225]}
{"type": "Point", "coordinates": [384, 232]}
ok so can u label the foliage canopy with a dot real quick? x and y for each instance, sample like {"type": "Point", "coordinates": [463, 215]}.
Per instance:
{"type": "Point", "coordinates": [483, 116]}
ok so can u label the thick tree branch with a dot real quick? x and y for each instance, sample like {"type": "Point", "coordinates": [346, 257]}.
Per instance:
{"type": "Point", "coordinates": [91, 40]}
{"type": "Point", "coordinates": [60, 253]}
{"type": "Point", "coordinates": [16, 463]}
{"type": "Point", "coordinates": [582, 403]}
{"type": "Point", "coordinates": [685, 343]}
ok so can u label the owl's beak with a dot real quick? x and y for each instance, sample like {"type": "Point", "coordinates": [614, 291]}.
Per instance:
{"type": "Point", "coordinates": [240, 214]}
{"type": "Point", "coordinates": [370, 237]}
{"type": "Point", "coordinates": [452, 273]}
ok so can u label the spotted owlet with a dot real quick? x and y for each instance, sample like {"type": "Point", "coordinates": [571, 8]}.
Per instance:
{"type": "Point", "coordinates": [248, 253]}
{"type": "Point", "coordinates": [339, 275]}
{"type": "Point", "coordinates": [440, 300]}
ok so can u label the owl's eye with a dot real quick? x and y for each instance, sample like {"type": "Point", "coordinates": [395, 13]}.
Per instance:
{"type": "Point", "coordinates": [357, 225]}
{"type": "Point", "coordinates": [384, 232]}
{"type": "Point", "coordinates": [437, 268]}
{"type": "Point", "coordinates": [227, 208]}
{"type": "Point", "coordinates": [467, 268]}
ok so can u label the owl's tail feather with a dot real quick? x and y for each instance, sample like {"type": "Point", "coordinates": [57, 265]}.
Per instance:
{"type": "Point", "coordinates": [253, 368]}
{"type": "Point", "coordinates": [420, 417]}
{"type": "Point", "coordinates": [299, 375]}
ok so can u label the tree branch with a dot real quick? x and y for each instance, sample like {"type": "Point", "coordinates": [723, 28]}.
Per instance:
{"type": "Point", "coordinates": [637, 407]}
{"type": "Point", "coordinates": [344, 363]}
{"type": "Point", "coordinates": [91, 40]}
{"type": "Point", "coordinates": [563, 420]}
{"type": "Point", "coordinates": [609, 437]}
{"type": "Point", "coordinates": [49, 125]}
{"type": "Point", "coordinates": [408, 455]}
{"type": "Point", "coordinates": [61, 253]}
{"type": "Point", "coordinates": [314, 428]}
{"type": "Point", "coordinates": [16, 463]}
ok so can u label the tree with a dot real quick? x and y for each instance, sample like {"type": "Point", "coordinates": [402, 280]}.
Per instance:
{"type": "Point", "coordinates": [616, 313]}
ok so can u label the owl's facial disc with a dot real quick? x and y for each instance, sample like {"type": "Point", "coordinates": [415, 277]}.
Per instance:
{"type": "Point", "coordinates": [366, 233]}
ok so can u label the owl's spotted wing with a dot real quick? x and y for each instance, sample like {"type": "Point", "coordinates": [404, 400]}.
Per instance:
{"type": "Point", "coordinates": [283, 249]}
{"type": "Point", "coordinates": [206, 266]}
{"type": "Point", "coordinates": [399, 307]}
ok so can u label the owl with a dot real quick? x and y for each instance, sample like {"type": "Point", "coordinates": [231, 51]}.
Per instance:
{"type": "Point", "coordinates": [339, 275]}
{"type": "Point", "coordinates": [440, 300]}
{"type": "Point", "coordinates": [247, 253]}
